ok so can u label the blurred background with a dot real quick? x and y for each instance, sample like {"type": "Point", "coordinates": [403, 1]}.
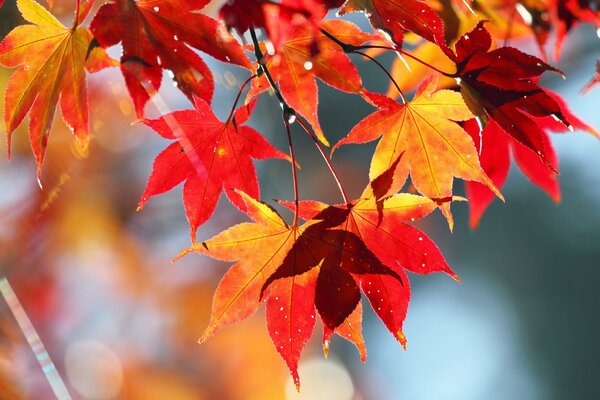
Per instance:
{"type": "Point", "coordinates": [120, 321]}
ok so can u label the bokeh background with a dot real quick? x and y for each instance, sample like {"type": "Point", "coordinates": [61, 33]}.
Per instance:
{"type": "Point", "coordinates": [120, 321]}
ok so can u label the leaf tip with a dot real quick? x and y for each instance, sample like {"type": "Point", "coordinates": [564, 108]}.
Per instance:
{"type": "Point", "coordinates": [296, 381]}
{"type": "Point", "coordinates": [455, 277]}
{"type": "Point", "coordinates": [184, 253]}
{"type": "Point", "coordinates": [326, 348]}
{"type": "Point", "coordinates": [401, 338]}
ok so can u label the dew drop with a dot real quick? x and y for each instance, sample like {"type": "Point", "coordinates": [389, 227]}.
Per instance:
{"type": "Point", "coordinates": [280, 308]}
{"type": "Point", "coordinates": [420, 239]}
{"type": "Point", "coordinates": [308, 65]}
{"type": "Point", "coordinates": [156, 9]}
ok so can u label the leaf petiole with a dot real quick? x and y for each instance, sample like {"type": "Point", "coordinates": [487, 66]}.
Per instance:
{"type": "Point", "coordinates": [237, 98]}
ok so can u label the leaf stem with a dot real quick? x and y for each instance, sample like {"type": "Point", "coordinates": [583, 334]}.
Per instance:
{"type": "Point", "coordinates": [286, 122]}
{"type": "Point", "coordinates": [237, 98]}
{"type": "Point", "coordinates": [76, 20]}
{"type": "Point", "coordinates": [326, 158]}
{"type": "Point", "coordinates": [402, 97]}
{"type": "Point", "coordinates": [403, 52]}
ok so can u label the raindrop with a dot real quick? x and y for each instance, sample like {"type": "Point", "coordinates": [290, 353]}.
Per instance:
{"type": "Point", "coordinates": [280, 308]}
{"type": "Point", "coordinates": [175, 37]}
{"type": "Point", "coordinates": [308, 65]}
{"type": "Point", "coordinates": [156, 9]}
{"type": "Point", "coordinates": [420, 238]}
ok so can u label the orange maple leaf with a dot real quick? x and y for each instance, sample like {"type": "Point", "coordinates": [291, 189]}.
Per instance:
{"type": "Point", "coordinates": [435, 147]}
{"type": "Point", "coordinates": [50, 60]}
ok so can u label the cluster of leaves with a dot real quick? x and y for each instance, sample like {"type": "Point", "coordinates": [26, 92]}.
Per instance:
{"type": "Point", "coordinates": [477, 101]}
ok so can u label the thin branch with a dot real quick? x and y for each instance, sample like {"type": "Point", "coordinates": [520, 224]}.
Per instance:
{"type": "Point", "coordinates": [260, 58]}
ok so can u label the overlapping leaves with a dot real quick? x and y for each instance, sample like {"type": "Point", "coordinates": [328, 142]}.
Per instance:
{"type": "Point", "coordinates": [323, 267]}
{"type": "Point", "coordinates": [160, 34]}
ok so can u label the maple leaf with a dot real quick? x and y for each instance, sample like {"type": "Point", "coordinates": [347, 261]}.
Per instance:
{"type": "Point", "coordinates": [495, 146]}
{"type": "Point", "coordinates": [396, 16]}
{"type": "Point", "coordinates": [434, 147]}
{"type": "Point", "coordinates": [381, 225]}
{"type": "Point", "coordinates": [160, 34]}
{"type": "Point", "coordinates": [50, 60]}
{"type": "Point", "coordinates": [296, 66]}
{"type": "Point", "coordinates": [264, 247]}
{"type": "Point", "coordinates": [208, 155]}
{"type": "Point", "coordinates": [260, 247]}
{"type": "Point", "coordinates": [499, 85]}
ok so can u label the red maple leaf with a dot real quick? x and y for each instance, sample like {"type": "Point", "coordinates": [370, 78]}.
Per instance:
{"type": "Point", "coordinates": [381, 225]}
{"type": "Point", "coordinates": [208, 155]}
{"type": "Point", "coordinates": [495, 147]}
{"type": "Point", "coordinates": [160, 34]}
{"type": "Point", "coordinates": [500, 85]}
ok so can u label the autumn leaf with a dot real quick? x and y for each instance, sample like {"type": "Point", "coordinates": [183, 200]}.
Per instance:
{"type": "Point", "coordinates": [385, 231]}
{"type": "Point", "coordinates": [495, 148]}
{"type": "Point", "coordinates": [435, 148]}
{"type": "Point", "coordinates": [50, 60]}
{"type": "Point", "coordinates": [161, 34]}
{"type": "Point", "coordinates": [259, 247]}
{"type": "Point", "coordinates": [297, 65]}
{"type": "Point", "coordinates": [209, 156]}
{"type": "Point", "coordinates": [339, 254]}
{"type": "Point", "coordinates": [500, 85]}
{"type": "Point", "coordinates": [396, 16]}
